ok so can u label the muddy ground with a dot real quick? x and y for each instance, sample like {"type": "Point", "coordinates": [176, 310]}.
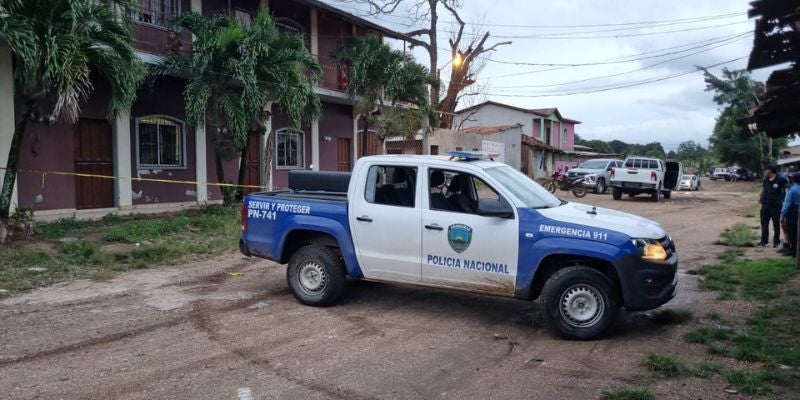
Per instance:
{"type": "Point", "coordinates": [205, 330]}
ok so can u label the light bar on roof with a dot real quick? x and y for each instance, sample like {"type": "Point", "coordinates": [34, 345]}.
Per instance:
{"type": "Point", "coordinates": [471, 155]}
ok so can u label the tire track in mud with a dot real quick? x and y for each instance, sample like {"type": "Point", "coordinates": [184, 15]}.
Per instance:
{"type": "Point", "coordinates": [185, 317]}
{"type": "Point", "coordinates": [201, 319]}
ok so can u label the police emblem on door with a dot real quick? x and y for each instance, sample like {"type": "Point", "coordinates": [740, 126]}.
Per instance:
{"type": "Point", "coordinates": [459, 236]}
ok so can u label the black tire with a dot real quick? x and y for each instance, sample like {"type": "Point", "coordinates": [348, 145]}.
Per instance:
{"type": "Point", "coordinates": [551, 187]}
{"type": "Point", "coordinates": [573, 291]}
{"type": "Point", "coordinates": [668, 194]}
{"type": "Point", "coordinates": [601, 186]}
{"type": "Point", "coordinates": [656, 195]}
{"type": "Point", "coordinates": [579, 190]}
{"type": "Point", "coordinates": [616, 193]}
{"type": "Point", "coordinates": [631, 195]}
{"type": "Point", "coordinates": [316, 262]}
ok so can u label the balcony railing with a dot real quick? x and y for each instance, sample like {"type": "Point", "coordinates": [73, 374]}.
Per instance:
{"type": "Point", "coordinates": [158, 12]}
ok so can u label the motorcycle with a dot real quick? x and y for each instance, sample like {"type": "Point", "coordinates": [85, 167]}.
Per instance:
{"type": "Point", "coordinates": [559, 181]}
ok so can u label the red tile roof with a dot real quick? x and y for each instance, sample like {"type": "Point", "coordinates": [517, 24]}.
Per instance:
{"type": "Point", "coordinates": [489, 130]}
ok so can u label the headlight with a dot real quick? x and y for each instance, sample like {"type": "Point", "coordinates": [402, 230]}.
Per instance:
{"type": "Point", "coordinates": [590, 178]}
{"type": "Point", "coordinates": [650, 249]}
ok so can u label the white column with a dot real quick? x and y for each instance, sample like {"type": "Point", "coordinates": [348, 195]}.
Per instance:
{"type": "Point", "coordinates": [7, 116]}
{"type": "Point", "coordinates": [123, 191]}
{"type": "Point", "coordinates": [201, 169]}
{"type": "Point", "coordinates": [315, 145]}
{"type": "Point", "coordinates": [314, 33]}
{"type": "Point", "coordinates": [355, 137]}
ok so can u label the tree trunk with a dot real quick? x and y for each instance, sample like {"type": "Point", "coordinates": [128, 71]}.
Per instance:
{"type": "Point", "coordinates": [13, 163]}
{"type": "Point", "coordinates": [434, 54]}
{"type": "Point", "coordinates": [224, 190]}
{"type": "Point", "coordinates": [242, 169]}
{"type": "Point", "coordinates": [364, 135]}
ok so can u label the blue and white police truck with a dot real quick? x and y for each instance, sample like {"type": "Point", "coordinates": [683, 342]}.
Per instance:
{"type": "Point", "coordinates": [463, 223]}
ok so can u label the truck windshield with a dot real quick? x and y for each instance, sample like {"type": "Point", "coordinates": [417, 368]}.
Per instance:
{"type": "Point", "coordinates": [523, 187]}
{"type": "Point", "coordinates": [594, 164]}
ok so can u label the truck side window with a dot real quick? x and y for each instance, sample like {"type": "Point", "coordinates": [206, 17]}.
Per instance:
{"type": "Point", "coordinates": [391, 185]}
{"type": "Point", "coordinates": [457, 191]}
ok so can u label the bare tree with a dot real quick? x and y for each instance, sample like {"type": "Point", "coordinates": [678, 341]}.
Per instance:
{"type": "Point", "coordinates": [465, 49]}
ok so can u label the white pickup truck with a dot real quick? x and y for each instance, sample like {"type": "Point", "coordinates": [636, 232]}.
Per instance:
{"type": "Point", "coordinates": [646, 175]}
{"type": "Point", "coordinates": [460, 223]}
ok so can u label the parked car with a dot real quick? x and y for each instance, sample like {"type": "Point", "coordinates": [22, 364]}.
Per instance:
{"type": "Point", "coordinates": [721, 173]}
{"type": "Point", "coordinates": [490, 230]}
{"type": "Point", "coordinates": [741, 174]}
{"type": "Point", "coordinates": [690, 182]}
{"type": "Point", "coordinates": [596, 173]}
{"type": "Point", "coordinates": [646, 175]}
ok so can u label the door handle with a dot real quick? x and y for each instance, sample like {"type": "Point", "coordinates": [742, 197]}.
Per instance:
{"type": "Point", "coordinates": [364, 218]}
{"type": "Point", "coordinates": [434, 227]}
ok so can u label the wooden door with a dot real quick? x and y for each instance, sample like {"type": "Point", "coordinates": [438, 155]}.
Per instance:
{"type": "Point", "coordinates": [252, 175]}
{"type": "Point", "coordinates": [93, 155]}
{"type": "Point", "coordinates": [344, 153]}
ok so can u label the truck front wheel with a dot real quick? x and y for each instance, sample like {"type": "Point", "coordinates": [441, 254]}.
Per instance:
{"type": "Point", "coordinates": [316, 275]}
{"type": "Point", "coordinates": [580, 303]}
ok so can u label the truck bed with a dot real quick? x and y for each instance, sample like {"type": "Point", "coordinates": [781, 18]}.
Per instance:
{"type": "Point", "coordinates": [303, 195]}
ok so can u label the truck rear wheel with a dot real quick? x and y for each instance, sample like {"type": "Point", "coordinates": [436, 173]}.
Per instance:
{"type": "Point", "coordinates": [656, 195]}
{"type": "Point", "coordinates": [580, 303]}
{"type": "Point", "coordinates": [616, 193]}
{"type": "Point", "coordinates": [316, 275]}
{"type": "Point", "coordinates": [668, 194]}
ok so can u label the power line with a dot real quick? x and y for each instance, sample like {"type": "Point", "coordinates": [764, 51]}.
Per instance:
{"type": "Point", "coordinates": [620, 86]}
{"type": "Point", "coordinates": [362, 14]}
{"type": "Point", "coordinates": [724, 43]}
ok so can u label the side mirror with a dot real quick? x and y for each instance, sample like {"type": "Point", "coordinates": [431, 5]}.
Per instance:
{"type": "Point", "coordinates": [494, 208]}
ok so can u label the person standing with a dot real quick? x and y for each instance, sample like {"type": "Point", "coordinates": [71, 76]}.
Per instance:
{"type": "Point", "coordinates": [789, 216]}
{"type": "Point", "coordinates": [771, 199]}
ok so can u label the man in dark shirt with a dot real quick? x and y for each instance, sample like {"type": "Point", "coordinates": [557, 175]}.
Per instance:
{"type": "Point", "coordinates": [772, 193]}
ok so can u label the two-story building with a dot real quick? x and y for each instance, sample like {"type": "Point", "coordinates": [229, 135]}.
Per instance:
{"type": "Point", "coordinates": [553, 144]}
{"type": "Point", "coordinates": [154, 142]}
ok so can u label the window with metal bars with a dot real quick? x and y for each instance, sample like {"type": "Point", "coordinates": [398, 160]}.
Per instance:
{"type": "Point", "coordinates": [160, 142]}
{"type": "Point", "coordinates": [158, 12]}
{"type": "Point", "coordinates": [289, 149]}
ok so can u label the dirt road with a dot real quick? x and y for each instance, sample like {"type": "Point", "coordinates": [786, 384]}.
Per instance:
{"type": "Point", "coordinates": [205, 330]}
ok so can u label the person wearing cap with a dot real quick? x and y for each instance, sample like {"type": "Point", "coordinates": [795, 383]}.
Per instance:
{"type": "Point", "coordinates": [771, 200]}
{"type": "Point", "coordinates": [789, 216]}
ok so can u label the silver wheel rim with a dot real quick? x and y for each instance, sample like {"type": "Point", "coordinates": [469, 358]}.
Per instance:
{"type": "Point", "coordinates": [601, 187]}
{"type": "Point", "coordinates": [581, 306]}
{"type": "Point", "coordinates": [312, 278]}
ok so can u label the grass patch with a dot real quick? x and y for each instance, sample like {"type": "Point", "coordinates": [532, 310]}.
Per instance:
{"type": "Point", "coordinates": [629, 393]}
{"type": "Point", "coordinates": [739, 235]}
{"type": "Point", "coordinates": [760, 382]}
{"type": "Point", "coordinates": [755, 280]}
{"type": "Point", "coordinates": [708, 334]}
{"type": "Point", "coordinates": [752, 211]}
{"type": "Point", "coordinates": [59, 228]}
{"type": "Point", "coordinates": [667, 317]}
{"type": "Point", "coordinates": [163, 239]}
{"type": "Point", "coordinates": [707, 369]}
{"type": "Point", "coordinates": [665, 366]}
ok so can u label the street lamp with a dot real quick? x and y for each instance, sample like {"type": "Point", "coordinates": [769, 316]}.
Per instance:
{"type": "Point", "coordinates": [458, 59]}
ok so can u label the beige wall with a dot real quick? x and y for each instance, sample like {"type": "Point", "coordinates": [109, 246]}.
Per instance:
{"type": "Point", "coordinates": [6, 113]}
{"type": "Point", "coordinates": [448, 140]}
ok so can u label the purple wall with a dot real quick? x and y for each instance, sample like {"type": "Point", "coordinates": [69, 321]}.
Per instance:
{"type": "Point", "coordinates": [569, 145]}
{"type": "Point", "coordinates": [52, 148]}
{"type": "Point", "coordinates": [336, 122]}
{"type": "Point", "coordinates": [165, 98]}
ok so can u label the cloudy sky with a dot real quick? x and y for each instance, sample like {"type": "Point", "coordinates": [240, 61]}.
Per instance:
{"type": "Point", "coordinates": [668, 38]}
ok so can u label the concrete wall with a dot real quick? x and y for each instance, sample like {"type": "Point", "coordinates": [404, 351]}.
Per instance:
{"type": "Point", "coordinates": [448, 140]}
{"type": "Point", "coordinates": [492, 115]}
{"type": "Point", "coordinates": [6, 114]}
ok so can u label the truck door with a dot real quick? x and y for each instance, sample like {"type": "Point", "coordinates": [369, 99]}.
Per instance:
{"type": "Point", "coordinates": [461, 249]}
{"type": "Point", "coordinates": [386, 219]}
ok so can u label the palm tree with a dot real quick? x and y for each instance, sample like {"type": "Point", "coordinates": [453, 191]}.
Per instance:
{"type": "Point", "coordinates": [56, 46]}
{"type": "Point", "coordinates": [236, 72]}
{"type": "Point", "coordinates": [379, 74]}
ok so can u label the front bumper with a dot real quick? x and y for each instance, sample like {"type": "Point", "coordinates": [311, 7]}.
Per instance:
{"type": "Point", "coordinates": [647, 284]}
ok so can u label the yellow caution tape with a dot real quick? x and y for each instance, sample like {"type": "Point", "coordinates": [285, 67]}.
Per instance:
{"type": "Point", "coordinates": [137, 179]}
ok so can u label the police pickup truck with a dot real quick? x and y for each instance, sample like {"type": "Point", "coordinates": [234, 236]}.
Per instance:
{"type": "Point", "coordinates": [464, 223]}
